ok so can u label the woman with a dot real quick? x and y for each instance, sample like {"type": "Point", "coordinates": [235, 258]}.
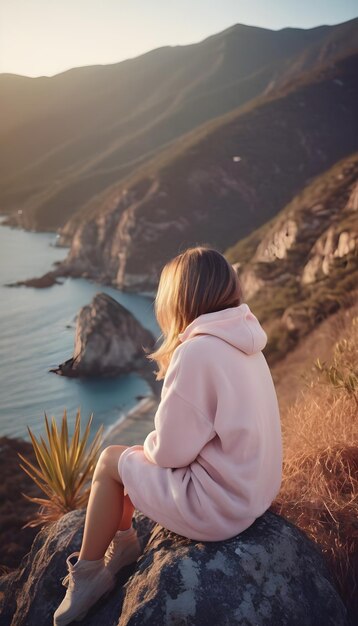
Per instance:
{"type": "Point", "coordinates": [213, 463]}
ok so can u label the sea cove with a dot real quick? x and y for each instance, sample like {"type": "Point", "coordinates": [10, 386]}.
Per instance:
{"type": "Point", "coordinates": [37, 332]}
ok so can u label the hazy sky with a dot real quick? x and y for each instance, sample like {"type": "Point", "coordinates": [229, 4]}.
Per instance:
{"type": "Point", "coordinates": [45, 37]}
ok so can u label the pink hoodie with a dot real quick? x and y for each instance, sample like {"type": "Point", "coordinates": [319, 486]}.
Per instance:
{"type": "Point", "coordinates": [213, 463]}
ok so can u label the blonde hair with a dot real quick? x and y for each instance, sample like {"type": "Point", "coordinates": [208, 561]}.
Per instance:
{"type": "Point", "coordinates": [199, 280]}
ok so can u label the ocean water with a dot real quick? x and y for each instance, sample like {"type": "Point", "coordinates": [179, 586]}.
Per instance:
{"type": "Point", "coordinates": [37, 333]}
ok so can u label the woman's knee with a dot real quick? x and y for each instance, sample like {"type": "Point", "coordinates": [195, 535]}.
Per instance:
{"type": "Point", "coordinates": [108, 461]}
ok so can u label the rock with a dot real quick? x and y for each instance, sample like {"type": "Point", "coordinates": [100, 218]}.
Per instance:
{"type": "Point", "coordinates": [251, 283]}
{"type": "Point", "coordinates": [278, 242]}
{"type": "Point", "coordinates": [15, 509]}
{"type": "Point", "coordinates": [109, 341]}
{"type": "Point", "coordinates": [311, 270]}
{"type": "Point", "coordinates": [269, 575]}
{"type": "Point", "coordinates": [295, 319]}
{"type": "Point", "coordinates": [347, 243]}
{"type": "Point", "coordinates": [47, 280]}
{"type": "Point", "coordinates": [31, 594]}
{"type": "Point", "coordinates": [335, 242]}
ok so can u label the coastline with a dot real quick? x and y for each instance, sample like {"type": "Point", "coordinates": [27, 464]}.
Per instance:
{"type": "Point", "coordinates": [132, 427]}
{"type": "Point", "coordinates": [127, 427]}
{"type": "Point", "coordinates": [33, 389]}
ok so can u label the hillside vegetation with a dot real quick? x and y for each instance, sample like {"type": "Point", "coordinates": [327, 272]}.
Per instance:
{"type": "Point", "coordinates": [320, 430]}
{"type": "Point", "coordinates": [302, 265]}
{"type": "Point", "coordinates": [218, 183]}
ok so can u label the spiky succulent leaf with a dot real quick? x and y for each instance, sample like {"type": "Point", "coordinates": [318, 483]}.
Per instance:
{"type": "Point", "coordinates": [64, 468]}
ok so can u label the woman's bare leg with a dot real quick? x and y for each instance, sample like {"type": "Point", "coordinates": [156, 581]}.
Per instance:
{"type": "Point", "coordinates": [128, 510]}
{"type": "Point", "coordinates": [108, 508]}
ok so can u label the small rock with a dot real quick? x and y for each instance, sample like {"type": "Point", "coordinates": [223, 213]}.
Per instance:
{"type": "Point", "coordinates": [47, 280]}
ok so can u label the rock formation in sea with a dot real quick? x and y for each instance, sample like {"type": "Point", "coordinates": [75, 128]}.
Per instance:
{"type": "Point", "coordinates": [41, 282]}
{"type": "Point", "coordinates": [271, 574]}
{"type": "Point", "coordinates": [109, 341]}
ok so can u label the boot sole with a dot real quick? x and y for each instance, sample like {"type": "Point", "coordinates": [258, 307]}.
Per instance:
{"type": "Point", "coordinates": [80, 617]}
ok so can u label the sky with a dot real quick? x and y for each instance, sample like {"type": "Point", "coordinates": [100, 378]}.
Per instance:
{"type": "Point", "coordinates": [46, 37]}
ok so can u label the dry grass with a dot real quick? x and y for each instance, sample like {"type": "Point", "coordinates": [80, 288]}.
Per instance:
{"type": "Point", "coordinates": [320, 484]}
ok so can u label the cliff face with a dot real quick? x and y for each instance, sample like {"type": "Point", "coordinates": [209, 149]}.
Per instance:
{"type": "Point", "coordinates": [303, 264]}
{"type": "Point", "coordinates": [221, 183]}
{"type": "Point", "coordinates": [67, 139]}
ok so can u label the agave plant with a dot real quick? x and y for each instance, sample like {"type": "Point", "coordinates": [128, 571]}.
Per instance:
{"type": "Point", "coordinates": [64, 469]}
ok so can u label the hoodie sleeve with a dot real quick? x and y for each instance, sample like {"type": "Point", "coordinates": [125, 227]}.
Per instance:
{"type": "Point", "coordinates": [182, 429]}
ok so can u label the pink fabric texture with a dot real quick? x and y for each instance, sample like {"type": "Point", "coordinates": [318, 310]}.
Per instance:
{"type": "Point", "coordinates": [213, 464]}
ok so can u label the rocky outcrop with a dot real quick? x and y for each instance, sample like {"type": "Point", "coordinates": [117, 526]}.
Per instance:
{"type": "Point", "coordinates": [339, 240]}
{"type": "Point", "coordinates": [250, 281]}
{"type": "Point", "coordinates": [100, 247]}
{"type": "Point", "coordinates": [15, 509]}
{"type": "Point", "coordinates": [270, 574]}
{"type": "Point", "coordinates": [313, 236]}
{"type": "Point", "coordinates": [317, 230]}
{"type": "Point", "coordinates": [333, 244]}
{"type": "Point", "coordinates": [109, 341]}
{"type": "Point", "coordinates": [41, 282]}
{"type": "Point", "coordinates": [300, 267]}
{"type": "Point", "coordinates": [277, 243]}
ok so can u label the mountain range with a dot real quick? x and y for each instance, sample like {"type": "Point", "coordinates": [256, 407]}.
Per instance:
{"type": "Point", "coordinates": [67, 139]}
{"type": "Point", "coordinates": [219, 182]}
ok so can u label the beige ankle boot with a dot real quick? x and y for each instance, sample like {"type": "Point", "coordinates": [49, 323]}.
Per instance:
{"type": "Point", "coordinates": [123, 550]}
{"type": "Point", "coordinates": [86, 582]}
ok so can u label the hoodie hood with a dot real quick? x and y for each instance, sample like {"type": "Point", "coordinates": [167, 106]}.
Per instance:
{"type": "Point", "coordinates": [236, 325]}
